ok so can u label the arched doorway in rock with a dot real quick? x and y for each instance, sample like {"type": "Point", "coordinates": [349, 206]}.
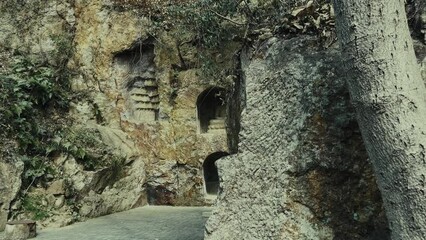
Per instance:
{"type": "Point", "coordinates": [211, 175]}
{"type": "Point", "coordinates": [211, 109]}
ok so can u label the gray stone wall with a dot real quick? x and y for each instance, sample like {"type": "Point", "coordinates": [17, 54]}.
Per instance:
{"type": "Point", "coordinates": [301, 171]}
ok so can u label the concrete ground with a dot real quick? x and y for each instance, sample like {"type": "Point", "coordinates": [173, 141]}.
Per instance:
{"type": "Point", "coordinates": [145, 223]}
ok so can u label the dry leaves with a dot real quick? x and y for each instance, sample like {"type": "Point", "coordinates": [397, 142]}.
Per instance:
{"type": "Point", "coordinates": [310, 17]}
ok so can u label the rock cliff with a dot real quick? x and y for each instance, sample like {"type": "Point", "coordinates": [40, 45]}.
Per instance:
{"type": "Point", "coordinates": [137, 91]}
{"type": "Point", "coordinates": [156, 94]}
{"type": "Point", "coordinates": [301, 171]}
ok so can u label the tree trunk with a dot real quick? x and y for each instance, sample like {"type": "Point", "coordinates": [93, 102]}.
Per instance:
{"type": "Point", "coordinates": [388, 94]}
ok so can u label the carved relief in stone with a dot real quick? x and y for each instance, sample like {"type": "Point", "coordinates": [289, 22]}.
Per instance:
{"type": "Point", "coordinates": [144, 100]}
{"type": "Point", "coordinates": [141, 87]}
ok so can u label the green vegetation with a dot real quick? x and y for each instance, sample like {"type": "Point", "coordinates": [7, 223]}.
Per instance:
{"type": "Point", "coordinates": [209, 23]}
{"type": "Point", "coordinates": [218, 29]}
{"type": "Point", "coordinates": [33, 97]}
{"type": "Point", "coordinates": [218, 21]}
{"type": "Point", "coordinates": [210, 19]}
{"type": "Point", "coordinates": [34, 101]}
{"type": "Point", "coordinates": [33, 205]}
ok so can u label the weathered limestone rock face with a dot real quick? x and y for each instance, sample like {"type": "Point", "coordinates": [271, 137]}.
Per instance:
{"type": "Point", "coordinates": [141, 94]}
{"type": "Point", "coordinates": [301, 171]}
{"type": "Point", "coordinates": [36, 27]}
{"type": "Point", "coordinates": [137, 90]}
{"type": "Point", "coordinates": [10, 183]}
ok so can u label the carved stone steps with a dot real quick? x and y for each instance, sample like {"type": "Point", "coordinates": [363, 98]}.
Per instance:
{"type": "Point", "coordinates": [216, 124]}
{"type": "Point", "coordinates": [150, 83]}
{"type": "Point", "coordinates": [146, 104]}
{"type": "Point", "coordinates": [142, 93]}
{"type": "Point", "coordinates": [141, 98]}
{"type": "Point", "coordinates": [145, 114]}
{"type": "Point", "coordinates": [139, 91]}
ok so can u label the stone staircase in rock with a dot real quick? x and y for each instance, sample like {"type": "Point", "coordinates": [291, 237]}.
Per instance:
{"type": "Point", "coordinates": [217, 124]}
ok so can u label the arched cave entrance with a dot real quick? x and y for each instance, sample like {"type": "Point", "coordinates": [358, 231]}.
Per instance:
{"type": "Point", "coordinates": [211, 175]}
{"type": "Point", "coordinates": [211, 108]}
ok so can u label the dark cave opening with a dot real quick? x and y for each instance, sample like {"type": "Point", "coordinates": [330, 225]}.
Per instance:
{"type": "Point", "coordinates": [211, 175]}
{"type": "Point", "coordinates": [211, 107]}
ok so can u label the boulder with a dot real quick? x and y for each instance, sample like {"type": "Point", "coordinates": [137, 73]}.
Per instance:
{"type": "Point", "coordinates": [20, 230]}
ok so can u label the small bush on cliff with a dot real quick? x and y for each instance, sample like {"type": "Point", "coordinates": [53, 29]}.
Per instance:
{"type": "Point", "coordinates": [34, 101]}
{"type": "Point", "coordinates": [34, 206]}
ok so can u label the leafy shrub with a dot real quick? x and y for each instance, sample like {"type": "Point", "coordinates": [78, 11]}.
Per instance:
{"type": "Point", "coordinates": [34, 101]}
{"type": "Point", "coordinates": [33, 204]}
{"type": "Point", "coordinates": [32, 96]}
{"type": "Point", "coordinates": [25, 91]}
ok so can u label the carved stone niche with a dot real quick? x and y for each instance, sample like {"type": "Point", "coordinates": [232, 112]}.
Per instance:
{"type": "Point", "coordinates": [211, 108]}
{"type": "Point", "coordinates": [141, 88]}
{"type": "Point", "coordinates": [143, 99]}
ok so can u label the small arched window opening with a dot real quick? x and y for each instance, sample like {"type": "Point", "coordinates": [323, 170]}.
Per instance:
{"type": "Point", "coordinates": [211, 107]}
{"type": "Point", "coordinates": [211, 175]}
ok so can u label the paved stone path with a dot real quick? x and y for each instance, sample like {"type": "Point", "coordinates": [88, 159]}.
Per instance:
{"type": "Point", "coordinates": [145, 223]}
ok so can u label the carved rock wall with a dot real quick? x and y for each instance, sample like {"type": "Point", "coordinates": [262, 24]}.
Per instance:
{"type": "Point", "coordinates": [137, 96]}
{"type": "Point", "coordinates": [301, 171]}
{"type": "Point", "coordinates": [134, 82]}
